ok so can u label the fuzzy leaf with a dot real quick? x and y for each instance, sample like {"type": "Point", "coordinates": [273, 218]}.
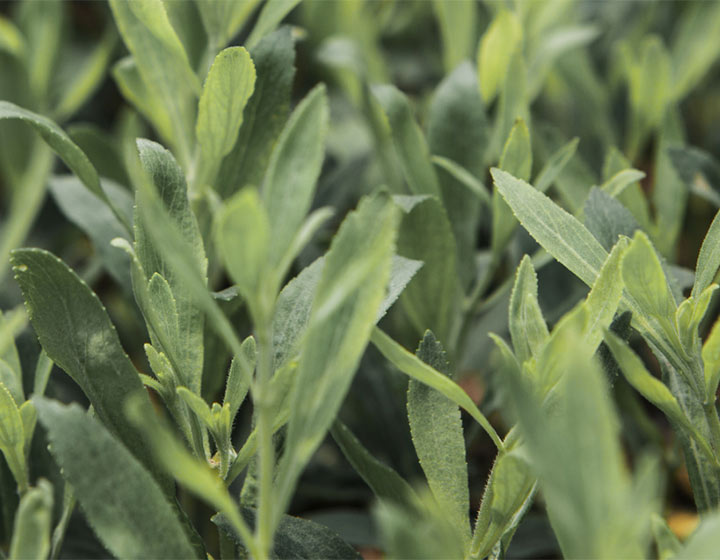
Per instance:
{"type": "Point", "coordinates": [33, 521]}
{"type": "Point", "coordinates": [122, 501]}
{"type": "Point", "coordinates": [709, 258]}
{"type": "Point", "coordinates": [527, 324]}
{"type": "Point", "coordinates": [349, 294]}
{"type": "Point", "coordinates": [76, 333]}
{"type": "Point", "coordinates": [240, 376]}
{"type": "Point", "coordinates": [607, 218]}
{"type": "Point", "coordinates": [229, 84]}
{"type": "Point", "coordinates": [265, 113]}
{"type": "Point", "coordinates": [409, 141]}
{"type": "Point", "coordinates": [561, 234]}
{"type": "Point", "coordinates": [497, 46]}
{"type": "Point", "coordinates": [435, 424]}
{"type": "Point", "coordinates": [293, 170]}
{"type": "Point", "coordinates": [555, 165]}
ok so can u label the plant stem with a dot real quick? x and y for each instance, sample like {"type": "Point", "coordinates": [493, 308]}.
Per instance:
{"type": "Point", "coordinates": [261, 398]}
{"type": "Point", "coordinates": [714, 423]}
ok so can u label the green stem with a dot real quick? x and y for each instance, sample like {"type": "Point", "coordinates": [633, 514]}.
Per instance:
{"type": "Point", "coordinates": [263, 404]}
{"type": "Point", "coordinates": [714, 423]}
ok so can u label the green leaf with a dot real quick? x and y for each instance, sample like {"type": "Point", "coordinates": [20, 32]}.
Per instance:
{"type": "Point", "coordinates": [60, 142]}
{"type": "Point", "coordinates": [93, 216]}
{"type": "Point", "coordinates": [415, 368]}
{"type": "Point", "coordinates": [293, 306]}
{"type": "Point", "coordinates": [464, 177]}
{"type": "Point", "coordinates": [163, 67]}
{"type": "Point", "coordinates": [243, 236]}
{"type": "Point", "coordinates": [652, 388]}
{"type": "Point", "coordinates": [385, 483]}
{"type": "Point", "coordinates": [432, 300]}
{"type": "Point", "coordinates": [87, 77]}
{"type": "Point", "coordinates": [645, 279]}
{"type": "Point", "coordinates": [409, 142]}
{"type": "Point", "coordinates": [607, 219]}
{"type": "Point", "coordinates": [562, 235]}
{"type": "Point", "coordinates": [527, 324]}
{"type": "Point", "coordinates": [667, 544]}
{"type": "Point", "coordinates": [711, 361]}
{"type": "Point", "coordinates": [240, 376]}
{"type": "Point", "coordinates": [224, 18]}
{"type": "Point", "coordinates": [516, 159]}
{"type": "Point", "coordinates": [555, 165]}
{"type": "Point", "coordinates": [131, 515]}
{"type": "Point", "coordinates": [703, 543]}
{"type": "Point", "coordinates": [76, 333]}
{"type": "Point", "coordinates": [458, 130]}
{"type": "Point", "coordinates": [31, 535]}
{"type": "Point", "coordinates": [709, 258]}
{"type": "Point", "coordinates": [457, 28]}
{"type": "Point", "coordinates": [265, 113]}
{"type": "Point", "coordinates": [604, 298]}
{"type": "Point", "coordinates": [508, 494]}
{"type": "Point", "coordinates": [296, 538]}
{"type": "Point", "coordinates": [345, 307]}
{"type": "Point", "coordinates": [293, 170]}
{"type": "Point", "coordinates": [169, 182]}
{"type": "Point", "coordinates": [498, 44]}
{"type": "Point", "coordinates": [435, 424]}
{"type": "Point", "coordinates": [197, 405]}
{"type": "Point", "coordinates": [12, 437]}
{"type": "Point", "coordinates": [270, 16]}
{"type": "Point", "coordinates": [577, 440]}
{"type": "Point", "coordinates": [229, 84]}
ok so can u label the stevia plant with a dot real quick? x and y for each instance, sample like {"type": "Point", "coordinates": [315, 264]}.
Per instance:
{"type": "Point", "coordinates": [258, 251]}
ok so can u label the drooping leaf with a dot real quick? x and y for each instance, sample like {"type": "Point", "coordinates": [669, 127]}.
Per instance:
{"type": "Point", "coordinates": [412, 366]}
{"type": "Point", "coordinates": [435, 424]}
{"type": "Point", "coordinates": [130, 514]}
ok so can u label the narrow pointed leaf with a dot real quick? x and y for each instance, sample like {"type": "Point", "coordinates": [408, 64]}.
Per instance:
{"type": "Point", "coordinates": [527, 324]}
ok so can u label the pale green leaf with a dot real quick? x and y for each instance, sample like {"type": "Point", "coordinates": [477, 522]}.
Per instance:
{"type": "Point", "coordinates": [527, 324]}
{"type": "Point", "coordinates": [666, 542]}
{"type": "Point", "coordinates": [409, 142]}
{"type": "Point", "coordinates": [293, 170]}
{"type": "Point", "coordinates": [224, 18]}
{"type": "Point", "coordinates": [131, 515]}
{"type": "Point", "coordinates": [348, 297]}
{"type": "Point", "coordinates": [711, 361]}
{"type": "Point", "coordinates": [645, 279]}
{"type": "Point", "coordinates": [197, 405]}
{"type": "Point", "coordinates": [561, 234]}
{"type": "Point", "coordinates": [555, 165]}
{"type": "Point", "coordinates": [265, 113]}
{"type": "Point", "coordinates": [435, 424]}
{"type": "Point", "coordinates": [497, 46]}
{"type": "Point", "coordinates": [709, 258]}
{"type": "Point", "coordinates": [33, 521]}
{"type": "Point", "coordinates": [270, 16]}
{"type": "Point", "coordinates": [229, 84]}
{"type": "Point", "coordinates": [243, 238]}
{"type": "Point", "coordinates": [240, 376]}
{"type": "Point", "coordinates": [415, 368]}
{"type": "Point", "coordinates": [464, 177]}
{"type": "Point", "coordinates": [457, 28]}
{"type": "Point", "coordinates": [703, 543]}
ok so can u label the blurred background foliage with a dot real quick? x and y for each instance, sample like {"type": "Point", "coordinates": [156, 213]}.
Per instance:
{"type": "Point", "coordinates": [629, 79]}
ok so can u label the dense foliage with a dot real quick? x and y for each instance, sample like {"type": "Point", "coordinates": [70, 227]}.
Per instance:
{"type": "Point", "coordinates": [321, 279]}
